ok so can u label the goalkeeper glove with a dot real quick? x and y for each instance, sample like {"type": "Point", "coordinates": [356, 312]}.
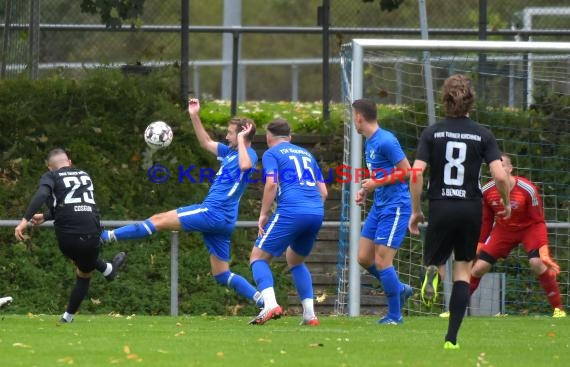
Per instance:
{"type": "Point", "coordinates": [544, 253]}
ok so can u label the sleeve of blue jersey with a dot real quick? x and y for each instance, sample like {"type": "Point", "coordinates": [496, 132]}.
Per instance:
{"type": "Point", "coordinates": [393, 151]}
{"type": "Point", "coordinates": [269, 162]}
{"type": "Point", "coordinates": [223, 150]}
{"type": "Point", "coordinates": [252, 156]}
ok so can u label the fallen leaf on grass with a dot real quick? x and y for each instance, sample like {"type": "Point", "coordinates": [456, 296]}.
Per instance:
{"type": "Point", "coordinates": [180, 333]}
{"type": "Point", "coordinates": [66, 360]}
{"type": "Point", "coordinates": [21, 345]}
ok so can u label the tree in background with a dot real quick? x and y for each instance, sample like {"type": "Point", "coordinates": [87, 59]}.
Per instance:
{"type": "Point", "coordinates": [114, 12]}
{"type": "Point", "coordinates": [387, 5]}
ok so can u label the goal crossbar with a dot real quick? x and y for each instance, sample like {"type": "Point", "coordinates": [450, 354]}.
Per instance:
{"type": "Point", "coordinates": [451, 45]}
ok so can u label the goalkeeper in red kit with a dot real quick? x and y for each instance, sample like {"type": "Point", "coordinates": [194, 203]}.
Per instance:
{"type": "Point", "coordinates": [526, 225]}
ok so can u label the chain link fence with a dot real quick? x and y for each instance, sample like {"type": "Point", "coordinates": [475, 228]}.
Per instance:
{"type": "Point", "coordinates": [71, 40]}
{"type": "Point", "coordinates": [457, 14]}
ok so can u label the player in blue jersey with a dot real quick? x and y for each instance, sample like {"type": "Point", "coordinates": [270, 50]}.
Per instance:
{"type": "Point", "coordinates": [291, 177]}
{"type": "Point", "coordinates": [215, 218]}
{"type": "Point", "coordinates": [386, 224]}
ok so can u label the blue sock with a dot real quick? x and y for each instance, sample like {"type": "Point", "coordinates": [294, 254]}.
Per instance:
{"type": "Point", "coordinates": [237, 283]}
{"type": "Point", "coordinates": [392, 287]}
{"type": "Point", "coordinates": [372, 269]}
{"type": "Point", "coordinates": [133, 231]}
{"type": "Point", "coordinates": [303, 281]}
{"type": "Point", "coordinates": [262, 274]}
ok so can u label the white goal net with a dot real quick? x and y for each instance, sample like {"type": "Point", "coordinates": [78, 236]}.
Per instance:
{"type": "Point", "coordinates": [523, 93]}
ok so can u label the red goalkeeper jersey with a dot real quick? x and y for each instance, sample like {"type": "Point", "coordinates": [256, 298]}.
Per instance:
{"type": "Point", "coordinates": [526, 207]}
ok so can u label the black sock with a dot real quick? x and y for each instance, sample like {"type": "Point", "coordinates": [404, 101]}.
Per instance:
{"type": "Point", "coordinates": [457, 306]}
{"type": "Point", "coordinates": [78, 294]}
{"type": "Point", "coordinates": [101, 265]}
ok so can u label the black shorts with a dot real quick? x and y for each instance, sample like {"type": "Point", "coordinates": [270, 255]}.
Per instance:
{"type": "Point", "coordinates": [453, 226]}
{"type": "Point", "coordinates": [82, 249]}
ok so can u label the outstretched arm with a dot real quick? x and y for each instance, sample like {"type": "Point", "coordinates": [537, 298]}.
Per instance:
{"type": "Point", "coordinates": [244, 159]}
{"type": "Point", "coordinates": [38, 199]}
{"type": "Point", "coordinates": [205, 141]}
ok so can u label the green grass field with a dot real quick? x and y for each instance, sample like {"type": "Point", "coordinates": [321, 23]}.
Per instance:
{"type": "Point", "coordinates": [37, 340]}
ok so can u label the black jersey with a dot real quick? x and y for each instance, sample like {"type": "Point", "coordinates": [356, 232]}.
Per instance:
{"type": "Point", "coordinates": [455, 148]}
{"type": "Point", "coordinates": [71, 201]}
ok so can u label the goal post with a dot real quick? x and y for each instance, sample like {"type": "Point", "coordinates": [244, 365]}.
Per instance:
{"type": "Point", "coordinates": [532, 124]}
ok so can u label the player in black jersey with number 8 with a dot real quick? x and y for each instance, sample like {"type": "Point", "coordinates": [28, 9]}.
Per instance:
{"type": "Point", "coordinates": [454, 148]}
{"type": "Point", "coordinates": [69, 195]}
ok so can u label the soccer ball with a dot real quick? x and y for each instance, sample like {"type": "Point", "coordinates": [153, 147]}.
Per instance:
{"type": "Point", "coordinates": [158, 135]}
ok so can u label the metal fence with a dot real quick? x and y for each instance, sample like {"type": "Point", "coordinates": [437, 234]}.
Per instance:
{"type": "Point", "coordinates": [174, 247]}
{"type": "Point", "coordinates": [57, 37]}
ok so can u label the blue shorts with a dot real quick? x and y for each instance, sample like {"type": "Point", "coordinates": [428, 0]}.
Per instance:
{"type": "Point", "coordinates": [215, 230]}
{"type": "Point", "coordinates": [298, 231]}
{"type": "Point", "coordinates": [387, 225]}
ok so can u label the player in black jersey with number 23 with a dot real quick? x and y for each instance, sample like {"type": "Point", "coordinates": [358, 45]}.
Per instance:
{"type": "Point", "coordinates": [69, 195]}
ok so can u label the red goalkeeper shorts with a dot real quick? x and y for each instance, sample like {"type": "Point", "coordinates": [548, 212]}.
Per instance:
{"type": "Point", "coordinates": [501, 241]}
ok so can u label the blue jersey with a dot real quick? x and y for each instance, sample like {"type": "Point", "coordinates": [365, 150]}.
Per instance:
{"type": "Point", "coordinates": [229, 183]}
{"type": "Point", "coordinates": [297, 172]}
{"type": "Point", "coordinates": [383, 152]}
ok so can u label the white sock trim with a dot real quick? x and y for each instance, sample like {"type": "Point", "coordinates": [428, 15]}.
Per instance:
{"type": "Point", "coordinates": [229, 280]}
{"type": "Point", "coordinates": [111, 236]}
{"type": "Point", "coordinates": [147, 228]}
{"type": "Point", "coordinates": [308, 308]}
{"type": "Point", "coordinates": [268, 295]}
{"type": "Point", "coordinates": [108, 269]}
{"type": "Point", "coordinates": [257, 296]}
